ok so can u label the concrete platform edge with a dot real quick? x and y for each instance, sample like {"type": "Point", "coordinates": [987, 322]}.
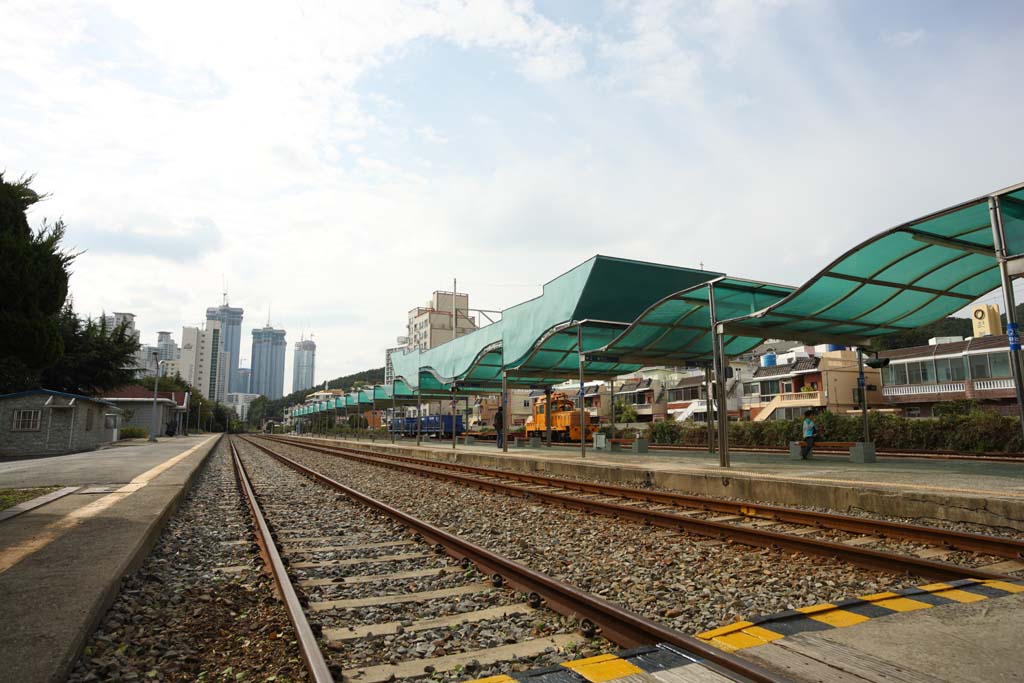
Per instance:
{"type": "Point", "coordinates": [63, 651]}
{"type": "Point", "coordinates": [866, 496]}
{"type": "Point", "coordinates": [138, 555]}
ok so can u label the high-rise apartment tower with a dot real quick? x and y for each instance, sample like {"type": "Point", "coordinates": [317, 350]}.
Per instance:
{"type": "Point", "coordinates": [230, 320]}
{"type": "Point", "coordinates": [303, 364]}
{"type": "Point", "coordinates": [267, 371]}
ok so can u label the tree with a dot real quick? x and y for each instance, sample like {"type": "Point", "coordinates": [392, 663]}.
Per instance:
{"type": "Point", "coordinates": [257, 411]}
{"type": "Point", "coordinates": [95, 359]}
{"type": "Point", "coordinates": [624, 412]}
{"type": "Point", "coordinates": [34, 282]}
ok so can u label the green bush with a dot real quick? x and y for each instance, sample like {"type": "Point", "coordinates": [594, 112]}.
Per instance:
{"type": "Point", "coordinates": [978, 431]}
{"type": "Point", "coordinates": [132, 433]}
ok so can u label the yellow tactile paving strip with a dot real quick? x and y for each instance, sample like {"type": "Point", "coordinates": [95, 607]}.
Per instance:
{"type": "Point", "coordinates": [744, 634]}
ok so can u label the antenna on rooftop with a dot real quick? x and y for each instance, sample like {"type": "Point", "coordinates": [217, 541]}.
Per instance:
{"type": "Point", "coordinates": [224, 287]}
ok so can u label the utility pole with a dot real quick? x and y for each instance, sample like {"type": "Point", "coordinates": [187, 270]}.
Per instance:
{"type": "Point", "coordinates": [156, 385]}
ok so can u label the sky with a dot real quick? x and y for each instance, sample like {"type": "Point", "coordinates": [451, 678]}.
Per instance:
{"type": "Point", "coordinates": [335, 162]}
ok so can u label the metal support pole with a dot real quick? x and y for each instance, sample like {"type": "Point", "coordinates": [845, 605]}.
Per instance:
{"type": "Point", "coordinates": [547, 416]}
{"type": "Point", "coordinates": [863, 391]}
{"type": "Point", "coordinates": [612, 395]}
{"type": "Point", "coordinates": [718, 357]}
{"type": "Point", "coordinates": [583, 409]}
{"type": "Point", "coordinates": [156, 384]}
{"type": "Point", "coordinates": [1012, 330]}
{"type": "Point", "coordinates": [504, 412]}
{"type": "Point", "coordinates": [419, 409]}
{"type": "Point", "coordinates": [708, 408]}
{"type": "Point", "coordinates": [394, 411]}
{"type": "Point", "coordinates": [455, 436]}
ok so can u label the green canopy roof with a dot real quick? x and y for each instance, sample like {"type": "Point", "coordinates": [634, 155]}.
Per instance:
{"type": "Point", "coordinates": [908, 276]}
{"type": "Point", "coordinates": [677, 329]}
{"type": "Point", "coordinates": [536, 340]}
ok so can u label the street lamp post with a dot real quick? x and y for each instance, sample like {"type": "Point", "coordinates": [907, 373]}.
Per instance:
{"type": "Point", "coordinates": [156, 385]}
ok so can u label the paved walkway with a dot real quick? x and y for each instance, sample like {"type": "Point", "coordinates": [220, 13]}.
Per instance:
{"type": "Point", "coordinates": [61, 564]}
{"type": "Point", "coordinates": [965, 643]}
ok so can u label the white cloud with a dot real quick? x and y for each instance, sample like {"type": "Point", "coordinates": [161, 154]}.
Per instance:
{"type": "Point", "coordinates": [256, 144]}
{"type": "Point", "coordinates": [903, 38]}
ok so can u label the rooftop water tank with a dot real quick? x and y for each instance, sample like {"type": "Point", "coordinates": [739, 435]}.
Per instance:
{"type": "Point", "coordinates": [836, 347]}
{"type": "Point", "coordinates": [768, 360]}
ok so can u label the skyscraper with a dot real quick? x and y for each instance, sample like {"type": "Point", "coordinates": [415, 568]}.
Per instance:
{"type": "Point", "coordinates": [267, 372]}
{"type": "Point", "coordinates": [230, 320]}
{"type": "Point", "coordinates": [201, 363]}
{"type": "Point", "coordinates": [304, 364]}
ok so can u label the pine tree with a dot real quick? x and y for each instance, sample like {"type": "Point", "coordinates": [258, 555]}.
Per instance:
{"type": "Point", "coordinates": [34, 282]}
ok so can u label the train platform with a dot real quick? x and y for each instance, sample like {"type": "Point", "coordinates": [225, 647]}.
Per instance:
{"type": "Point", "coordinates": [61, 563]}
{"type": "Point", "coordinates": [981, 492]}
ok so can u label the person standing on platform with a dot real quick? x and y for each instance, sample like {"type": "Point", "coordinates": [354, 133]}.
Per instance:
{"type": "Point", "coordinates": [810, 430]}
{"type": "Point", "coordinates": [499, 426]}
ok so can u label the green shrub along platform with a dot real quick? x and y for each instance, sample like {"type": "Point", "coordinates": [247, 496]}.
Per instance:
{"type": "Point", "coordinates": [979, 432]}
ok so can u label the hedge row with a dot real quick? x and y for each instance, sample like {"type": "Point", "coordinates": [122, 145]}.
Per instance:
{"type": "Point", "coordinates": [979, 432]}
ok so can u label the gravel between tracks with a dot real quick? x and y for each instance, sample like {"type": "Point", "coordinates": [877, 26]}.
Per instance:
{"type": "Point", "coordinates": [296, 507]}
{"type": "Point", "coordinates": [687, 581]}
{"type": "Point", "coordinates": [180, 619]}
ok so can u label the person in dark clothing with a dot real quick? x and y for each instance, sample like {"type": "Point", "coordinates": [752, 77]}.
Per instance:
{"type": "Point", "coordinates": [810, 432]}
{"type": "Point", "coordinates": [499, 426]}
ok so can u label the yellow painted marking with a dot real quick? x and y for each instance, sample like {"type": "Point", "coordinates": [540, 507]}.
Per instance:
{"type": "Point", "coordinates": [879, 596]}
{"type": "Point", "coordinates": [813, 609]}
{"type": "Point", "coordinates": [1005, 586]}
{"type": "Point", "coordinates": [748, 637]}
{"type": "Point", "coordinates": [840, 618]}
{"type": "Point", "coordinates": [501, 678]}
{"type": "Point", "coordinates": [722, 630]}
{"type": "Point", "coordinates": [16, 553]}
{"type": "Point", "coordinates": [602, 668]}
{"type": "Point", "coordinates": [902, 604]}
{"type": "Point", "coordinates": [960, 596]}
{"type": "Point", "coordinates": [933, 587]}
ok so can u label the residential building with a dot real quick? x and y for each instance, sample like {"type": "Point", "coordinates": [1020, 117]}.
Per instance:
{"type": "Point", "coordinates": [303, 364]}
{"type": "Point", "coordinates": [230, 319]}
{"type": "Point", "coordinates": [167, 348]}
{"type": "Point", "coordinates": [431, 325]}
{"type": "Point", "coordinates": [267, 372]}
{"type": "Point", "coordinates": [240, 402]}
{"type": "Point", "coordinates": [687, 397]}
{"type": "Point", "coordinates": [45, 422]}
{"type": "Point", "coordinates": [145, 363]}
{"type": "Point", "coordinates": [389, 368]}
{"type": "Point", "coordinates": [950, 369]}
{"type": "Point", "coordinates": [201, 362]}
{"type": "Point", "coordinates": [136, 404]}
{"type": "Point", "coordinates": [243, 380]}
{"type": "Point", "coordinates": [807, 377]}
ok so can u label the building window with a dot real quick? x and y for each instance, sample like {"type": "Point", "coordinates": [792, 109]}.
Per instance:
{"type": "Point", "coordinates": [26, 420]}
{"type": "Point", "coordinates": [894, 375]}
{"type": "Point", "coordinates": [979, 366]}
{"type": "Point", "coordinates": [769, 388]}
{"type": "Point", "coordinates": [999, 364]}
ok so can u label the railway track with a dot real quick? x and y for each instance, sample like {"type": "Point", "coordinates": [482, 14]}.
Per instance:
{"type": "Point", "coordinates": [377, 594]}
{"type": "Point", "coordinates": [877, 544]}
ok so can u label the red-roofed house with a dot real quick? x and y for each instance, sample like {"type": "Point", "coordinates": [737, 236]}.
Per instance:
{"type": "Point", "coordinates": [137, 403]}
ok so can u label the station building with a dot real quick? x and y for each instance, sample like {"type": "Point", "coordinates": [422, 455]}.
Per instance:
{"type": "Point", "coordinates": [136, 404]}
{"type": "Point", "coordinates": [45, 422]}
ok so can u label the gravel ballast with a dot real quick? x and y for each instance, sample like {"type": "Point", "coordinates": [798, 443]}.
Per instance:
{"type": "Point", "coordinates": [689, 582]}
{"type": "Point", "coordinates": [180, 617]}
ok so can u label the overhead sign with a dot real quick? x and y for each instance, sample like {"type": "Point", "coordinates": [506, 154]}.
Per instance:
{"type": "Point", "coordinates": [600, 358]}
{"type": "Point", "coordinates": [1013, 336]}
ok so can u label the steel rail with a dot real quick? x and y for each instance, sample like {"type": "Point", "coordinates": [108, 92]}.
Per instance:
{"type": "Point", "coordinates": [621, 626]}
{"type": "Point", "coordinates": [310, 649]}
{"type": "Point", "coordinates": [865, 557]}
{"type": "Point", "coordinates": [979, 543]}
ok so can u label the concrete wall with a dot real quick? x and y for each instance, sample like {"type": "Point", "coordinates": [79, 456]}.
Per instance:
{"type": "Point", "coordinates": [140, 414]}
{"type": "Point", "coordinates": [61, 430]}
